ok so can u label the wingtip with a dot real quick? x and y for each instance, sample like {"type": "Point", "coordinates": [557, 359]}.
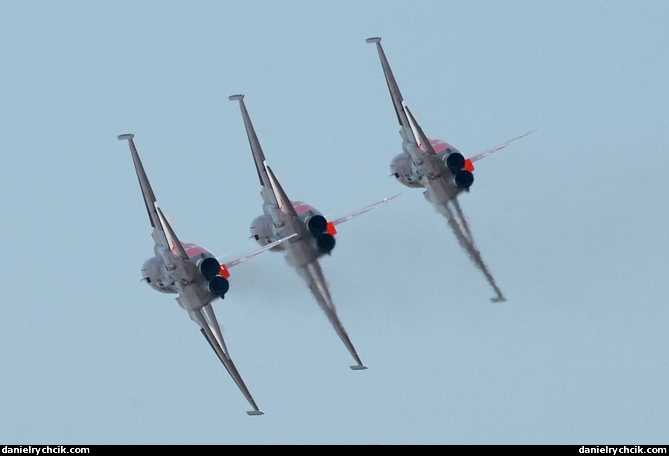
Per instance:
{"type": "Point", "coordinates": [126, 136]}
{"type": "Point", "coordinates": [255, 413]}
{"type": "Point", "coordinates": [239, 96]}
{"type": "Point", "coordinates": [374, 39]}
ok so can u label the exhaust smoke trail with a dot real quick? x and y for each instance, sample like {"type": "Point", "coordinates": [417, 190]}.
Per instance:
{"type": "Point", "coordinates": [462, 220]}
{"type": "Point", "coordinates": [460, 227]}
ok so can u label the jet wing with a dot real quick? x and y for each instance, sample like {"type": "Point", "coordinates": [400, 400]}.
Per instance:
{"type": "Point", "coordinates": [211, 331]}
{"type": "Point", "coordinates": [456, 220]}
{"type": "Point", "coordinates": [256, 150]}
{"type": "Point", "coordinates": [313, 275]}
{"type": "Point", "coordinates": [395, 94]}
{"type": "Point", "coordinates": [147, 192]}
{"type": "Point", "coordinates": [362, 211]}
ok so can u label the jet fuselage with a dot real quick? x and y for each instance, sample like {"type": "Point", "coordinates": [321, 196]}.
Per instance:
{"type": "Point", "coordinates": [315, 236]}
{"type": "Point", "coordinates": [211, 276]}
{"type": "Point", "coordinates": [444, 175]}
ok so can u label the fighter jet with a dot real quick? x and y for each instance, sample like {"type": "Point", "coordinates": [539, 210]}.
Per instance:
{"type": "Point", "coordinates": [315, 234]}
{"type": "Point", "coordinates": [438, 167]}
{"type": "Point", "coordinates": [190, 271]}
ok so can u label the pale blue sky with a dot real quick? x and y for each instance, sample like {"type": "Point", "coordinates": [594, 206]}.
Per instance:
{"type": "Point", "coordinates": [571, 220]}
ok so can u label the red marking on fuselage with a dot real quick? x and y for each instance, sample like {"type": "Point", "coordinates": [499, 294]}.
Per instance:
{"type": "Point", "coordinates": [331, 228]}
{"type": "Point", "coordinates": [438, 145]}
{"type": "Point", "coordinates": [469, 166]}
{"type": "Point", "coordinates": [301, 207]}
{"type": "Point", "coordinates": [224, 272]}
{"type": "Point", "coordinates": [193, 250]}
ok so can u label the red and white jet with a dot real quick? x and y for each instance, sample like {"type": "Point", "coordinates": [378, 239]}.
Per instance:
{"type": "Point", "coordinates": [438, 167]}
{"type": "Point", "coordinates": [190, 271]}
{"type": "Point", "coordinates": [315, 235]}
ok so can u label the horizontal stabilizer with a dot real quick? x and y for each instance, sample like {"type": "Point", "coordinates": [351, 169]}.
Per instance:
{"type": "Point", "coordinates": [255, 412]}
{"type": "Point", "coordinates": [358, 367]}
{"type": "Point", "coordinates": [125, 137]}
{"type": "Point", "coordinates": [499, 147]}
{"type": "Point", "coordinates": [362, 211]}
{"type": "Point", "coordinates": [374, 39]}
{"type": "Point", "coordinates": [232, 263]}
{"type": "Point", "coordinates": [236, 97]}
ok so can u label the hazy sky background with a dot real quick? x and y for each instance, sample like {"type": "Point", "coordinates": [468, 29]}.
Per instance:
{"type": "Point", "coordinates": [571, 220]}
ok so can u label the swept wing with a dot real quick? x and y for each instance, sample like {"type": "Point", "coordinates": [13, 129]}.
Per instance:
{"type": "Point", "coordinates": [147, 192]}
{"type": "Point", "coordinates": [395, 94]}
{"type": "Point", "coordinates": [313, 275]}
{"type": "Point", "coordinates": [256, 149]}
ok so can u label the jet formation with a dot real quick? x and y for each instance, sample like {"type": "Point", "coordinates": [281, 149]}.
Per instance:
{"type": "Point", "coordinates": [302, 233]}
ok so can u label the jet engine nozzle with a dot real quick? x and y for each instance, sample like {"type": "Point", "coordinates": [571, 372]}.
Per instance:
{"type": "Point", "coordinates": [209, 267]}
{"type": "Point", "coordinates": [464, 179]}
{"type": "Point", "coordinates": [317, 224]}
{"type": "Point", "coordinates": [455, 162]}
{"type": "Point", "coordinates": [218, 286]}
{"type": "Point", "coordinates": [325, 242]}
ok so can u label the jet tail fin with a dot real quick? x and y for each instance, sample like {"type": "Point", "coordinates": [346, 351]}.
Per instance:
{"type": "Point", "coordinates": [281, 198]}
{"type": "Point", "coordinates": [172, 239]}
